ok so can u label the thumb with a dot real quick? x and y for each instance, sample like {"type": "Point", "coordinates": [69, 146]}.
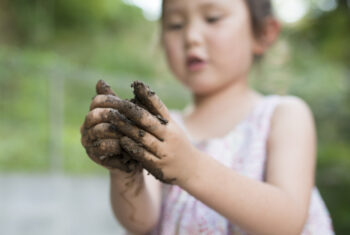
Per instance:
{"type": "Point", "coordinates": [151, 101]}
{"type": "Point", "coordinates": [102, 88]}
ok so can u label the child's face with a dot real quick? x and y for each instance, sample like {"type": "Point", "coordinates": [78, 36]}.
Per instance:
{"type": "Point", "coordinates": [208, 43]}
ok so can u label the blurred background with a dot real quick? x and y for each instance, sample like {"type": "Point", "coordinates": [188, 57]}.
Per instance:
{"type": "Point", "coordinates": [53, 52]}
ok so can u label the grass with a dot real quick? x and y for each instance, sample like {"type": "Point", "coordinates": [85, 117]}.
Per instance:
{"type": "Point", "coordinates": [27, 97]}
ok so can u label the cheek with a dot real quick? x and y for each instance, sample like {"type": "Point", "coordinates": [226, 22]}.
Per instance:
{"type": "Point", "coordinates": [232, 49]}
{"type": "Point", "coordinates": [174, 55]}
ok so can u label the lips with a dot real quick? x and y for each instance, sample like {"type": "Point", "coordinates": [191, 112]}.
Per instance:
{"type": "Point", "coordinates": [195, 63]}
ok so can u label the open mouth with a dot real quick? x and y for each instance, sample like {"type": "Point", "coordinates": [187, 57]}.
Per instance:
{"type": "Point", "coordinates": [195, 63]}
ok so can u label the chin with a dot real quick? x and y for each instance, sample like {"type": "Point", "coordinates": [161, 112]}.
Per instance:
{"type": "Point", "coordinates": [201, 84]}
{"type": "Point", "coordinates": [202, 89]}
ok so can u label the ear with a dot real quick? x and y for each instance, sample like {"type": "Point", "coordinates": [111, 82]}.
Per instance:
{"type": "Point", "coordinates": [267, 36]}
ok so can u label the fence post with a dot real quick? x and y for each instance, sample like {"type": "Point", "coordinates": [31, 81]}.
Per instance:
{"type": "Point", "coordinates": [56, 122]}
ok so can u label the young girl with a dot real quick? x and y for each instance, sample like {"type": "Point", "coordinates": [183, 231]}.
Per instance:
{"type": "Point", "coordinates": [237, 162]}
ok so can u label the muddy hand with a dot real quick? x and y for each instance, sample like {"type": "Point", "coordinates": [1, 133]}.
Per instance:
{"type": "Point", "coordinates": [153, 138]}
{"type": "Point", "coordinates": [101, 138]}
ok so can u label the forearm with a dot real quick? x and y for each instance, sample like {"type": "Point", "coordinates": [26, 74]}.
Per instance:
{"type": "Point", "coordinates": [257, 207]}
{"type": "Point", "coordinates": [137, 212]}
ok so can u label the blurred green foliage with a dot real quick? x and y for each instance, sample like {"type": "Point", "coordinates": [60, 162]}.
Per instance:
{"type": "Point", "coordinates": [80, 42]}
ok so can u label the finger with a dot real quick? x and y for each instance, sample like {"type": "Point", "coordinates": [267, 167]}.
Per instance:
{"type": "Point", "coordinates": [149, 98]}
{"type": "Point", "coordinates": [138, 103]}
{"type": "Point", "coordinates": [106, 147]}
{"type": "Point", "coordinates": [137, 152]}
{"type": "Point", "coordinates": [110, 162]}
{"type": "Point", "coordinates": [86, 141]}
{"type": "Point", "coordinates": [103, 131]}
{"type": "Point", "coordinates": [127, 160]}
{"type": "Point", "coordinates": [114, 162]}
{"type": "Point", "coordinates": [103, 88]}
{"type": "Point", "coordinates": [102, 149]}
{"type": "Point", "coordinates": [109, 154]}
{"type": "Point", "coordinates": [84, 136]}
{"type": "Point", "coordinates": [148, 160]}
{"type": "Point", "coordinates": [82, 129]}
{"type": "Point", "coordinates": [138, 115]}
{"type": "Point", "coordinates": [100, 115]}
{"type": "Point", "coordinates": [122, 124]}
{"type": "Point", "coordinates": [149, 141]}
{"type": "Point", "coordinates": [122, 161]}
{"type": "Point", "coordinates": [105, 101]}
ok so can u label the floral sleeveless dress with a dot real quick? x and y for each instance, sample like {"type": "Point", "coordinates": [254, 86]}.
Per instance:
{"type": "Point", "coordinates": [244, 150]}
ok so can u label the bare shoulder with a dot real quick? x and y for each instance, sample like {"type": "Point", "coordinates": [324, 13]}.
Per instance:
{"type": "Point", "coordinates": [292, 105]}
{"type": "Point", "coordinates": [292, 111]}
{"type": "Point", "coordinates": [292, 123]}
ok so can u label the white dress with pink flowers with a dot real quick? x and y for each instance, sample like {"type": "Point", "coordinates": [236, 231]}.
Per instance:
{"type": "Point", "coordinates": [244, 150]}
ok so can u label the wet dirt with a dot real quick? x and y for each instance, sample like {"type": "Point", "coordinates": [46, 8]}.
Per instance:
{"type": "Point", "coordinates": [103, 88]}
{"type": "Point", "coordinates": [132, 154]}
{"type": "Point", "coordinates": [148, 99]}
{"type": "Point", "coordinates": [139, 153]}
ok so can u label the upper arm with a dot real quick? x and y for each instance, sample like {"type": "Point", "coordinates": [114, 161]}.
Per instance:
{"type": "Point", "coordinates": [291, 151]}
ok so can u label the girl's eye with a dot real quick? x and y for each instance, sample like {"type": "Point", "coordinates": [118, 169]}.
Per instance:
{"type": "Point", "coordinates": [174, 26]}
{"type": "Point", "coordinates": [213, 19]}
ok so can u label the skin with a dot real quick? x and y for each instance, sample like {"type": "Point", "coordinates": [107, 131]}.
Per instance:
{"type": "Point", "coordinates": [101, 138]}
{"type": "Point", "coordinates": [277, 206]}
{"type": "Point", "coordinates": [131, 188]}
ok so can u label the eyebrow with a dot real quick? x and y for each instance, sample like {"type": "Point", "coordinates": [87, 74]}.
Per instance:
{"type": "Point", "coordinates": [205, 5]}
{"type": "Point", "coordinates": [173, 10]}
{"type": "Point", "coordinates": [210, 4]}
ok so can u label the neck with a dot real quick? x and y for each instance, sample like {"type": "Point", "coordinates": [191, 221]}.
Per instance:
{"type": "Point", "coordinates": [215, 114]}
{"type": "Point", "coordinates": [234, 94]}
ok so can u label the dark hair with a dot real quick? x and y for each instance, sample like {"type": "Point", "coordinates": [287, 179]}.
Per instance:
{"type": "Point", "coordinates": [259, 11]}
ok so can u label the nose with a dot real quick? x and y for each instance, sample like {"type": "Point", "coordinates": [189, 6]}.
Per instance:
{"type": "Point", "coordinates": [193, 35]}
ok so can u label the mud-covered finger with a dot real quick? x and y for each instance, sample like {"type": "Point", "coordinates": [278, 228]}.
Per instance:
{"type": "Point", "coordinates": [103, 88]}
{"type": "Point", "coordinates": [148, 161]}
{"type": "Point", "coordinates": [109, 154]}
{"type": "Point", "coordinates": [99, 132]}
{"type": "Point", "coordinates": [137, 152]}
{"type": "Point", "coordinates": [138, 103]}
{"type": "Point", "coordinates": [110, 162]}
{"type": "Point", "coordinates": [103, 131]}
{"type": "Point", "coordinates": [130, 162]}
{"type": "Point", "coordinates": [85, 140]}
{"type": "Point", "coordinates": [105, 101]}
{"type": "Point", "coordinates": [112, 116]}
{"type": "Point", "coordinates": [149, 99]}
{"type": "Point", "coordinates": [121, 161]}
{"type": "Point", "coordinates": [113, 162]}
{"type": "Point", "coordinates": [135, 113]}
{"type": "Point", "coordinates": [104, 148]}
{"type": "Point", "coordinates": [100, 115]}
{"type": "Point", "coordinates": [149, 141]}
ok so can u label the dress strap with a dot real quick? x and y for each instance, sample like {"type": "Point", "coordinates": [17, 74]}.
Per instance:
{"type": "Point", "coordinates": [263, 115]}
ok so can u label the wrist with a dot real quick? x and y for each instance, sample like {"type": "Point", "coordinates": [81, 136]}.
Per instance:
{"type": "Point", "coordinates": [119, 174]}
{"type": "Point", "coordinates": [130, 183]}
{"type": "Point", "coordinates": [191, 170]}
